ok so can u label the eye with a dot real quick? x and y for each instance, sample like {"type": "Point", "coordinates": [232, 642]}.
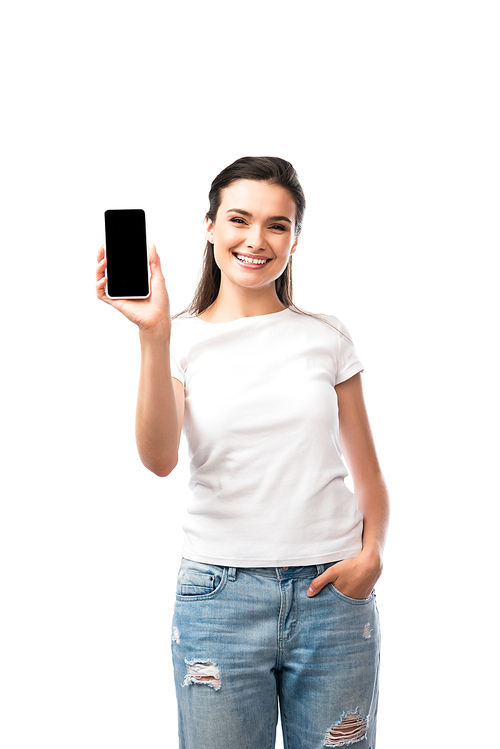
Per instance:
{"type": "Point", "coordinates": [274, 226]}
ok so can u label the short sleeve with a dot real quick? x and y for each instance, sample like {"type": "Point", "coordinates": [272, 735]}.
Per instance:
{"type": "Point", "coordinates": [176, 371]}
{"type": "Point", "coordinates": [176, 358]}
{"type": "Point", "coordinates": [348, 362]}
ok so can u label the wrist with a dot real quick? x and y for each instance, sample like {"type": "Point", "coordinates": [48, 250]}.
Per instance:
{"type": "Point", "coordinates": [158, 333]}
{"type": "Point", "coordinates": [372, 556]}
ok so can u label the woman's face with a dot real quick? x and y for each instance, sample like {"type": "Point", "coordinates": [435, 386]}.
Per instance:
{"type": "Point", "coordinates": [253, 234]}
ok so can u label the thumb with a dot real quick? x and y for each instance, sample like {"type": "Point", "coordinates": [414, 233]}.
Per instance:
{"type": "Point", "coordinates": [154, 259]}
{"type": "Point", "coordinates": [152, 254]}
{"type": "Point", "coordinates": [317, 584]}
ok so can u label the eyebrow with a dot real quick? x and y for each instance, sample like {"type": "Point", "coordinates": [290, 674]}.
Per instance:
{"type": "Point", "coordinates": [270, 218]}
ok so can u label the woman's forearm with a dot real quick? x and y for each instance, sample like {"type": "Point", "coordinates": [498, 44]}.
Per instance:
{"type": "Point", "coordinates": [156, 426]}
{"type": "Point", "coordinates": [373, 502]}
{"type": "Point", "coordinates": [356, 577]}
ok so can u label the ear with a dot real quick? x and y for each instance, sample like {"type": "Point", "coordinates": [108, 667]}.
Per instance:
{"type": "Point", "coordinates": [294, 245]}
{"type": "Point", "coordinates": [209, 229]}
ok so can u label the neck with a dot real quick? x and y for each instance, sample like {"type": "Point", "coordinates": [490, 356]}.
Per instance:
{"type": "Point", "coordinates": [231, 304]}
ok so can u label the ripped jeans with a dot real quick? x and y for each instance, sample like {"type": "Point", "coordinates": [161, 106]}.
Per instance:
{"type": "Point", "coordinates": [245, 640]}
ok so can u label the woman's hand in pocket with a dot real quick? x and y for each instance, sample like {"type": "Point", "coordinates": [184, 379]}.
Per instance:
{"type": "Point", "coordinates": [354, 578]}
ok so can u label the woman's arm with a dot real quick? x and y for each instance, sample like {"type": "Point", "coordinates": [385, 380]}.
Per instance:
{"type": "Point", "coordinates": [160, 403]}
{"type": "Point", "coordinates": [358, 448]}
{"type": "Point", "coordinates": [160, 406]}
{"type": "Point", "coordinates": [356, 577]}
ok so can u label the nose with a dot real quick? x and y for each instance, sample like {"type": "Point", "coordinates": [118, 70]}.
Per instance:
{"type": "Point", "coordinates": [255, 238]}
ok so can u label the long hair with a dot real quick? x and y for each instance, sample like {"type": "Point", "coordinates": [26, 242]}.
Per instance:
{"type": "Point", "coordinates": [269, 169]}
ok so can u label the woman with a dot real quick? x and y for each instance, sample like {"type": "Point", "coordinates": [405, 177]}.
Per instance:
{"type": "Point", "coordinates": [275, 596]}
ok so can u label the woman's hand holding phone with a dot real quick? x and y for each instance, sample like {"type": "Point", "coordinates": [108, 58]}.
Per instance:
{"type": "Point", "coordinates": [151, 315]}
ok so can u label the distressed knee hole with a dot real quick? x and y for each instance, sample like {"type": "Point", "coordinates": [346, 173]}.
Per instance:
{"type": "Point", "coordinates": [348, 730]}
{"type": "Point", "coordinates": [202, 672]}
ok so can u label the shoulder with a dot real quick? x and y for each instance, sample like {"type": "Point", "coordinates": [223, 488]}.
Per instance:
{"type": "Point", "coordinates": [183, 331]}
{"type": "Point", "coordinates": [183, 320]}
{"type": "Point", "coordinates": [326, 323]}
{"type": "Point", "coordinates": [184, 325]}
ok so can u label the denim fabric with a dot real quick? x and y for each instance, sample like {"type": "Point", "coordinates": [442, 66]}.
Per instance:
{"type": "Point", "coordinates": [247, 639]}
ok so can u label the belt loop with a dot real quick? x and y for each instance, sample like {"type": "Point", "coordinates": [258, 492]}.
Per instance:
{"type": "Point", "coordinates": [231, 574]}
{"type": "Point", "coordinates": [320, 568]}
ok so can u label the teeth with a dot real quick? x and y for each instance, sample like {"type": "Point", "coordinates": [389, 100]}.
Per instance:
{"type": "Point", "coordinates": [255, 261]}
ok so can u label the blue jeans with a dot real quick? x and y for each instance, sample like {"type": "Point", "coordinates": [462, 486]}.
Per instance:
{"type": "Point", "coordinates": [246, 639]}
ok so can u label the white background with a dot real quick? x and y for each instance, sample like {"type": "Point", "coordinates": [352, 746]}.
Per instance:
{"type": "Point", "coordinates": [389, 111]}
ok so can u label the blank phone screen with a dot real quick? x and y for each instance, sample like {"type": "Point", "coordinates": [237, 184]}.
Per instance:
{"type": "Point", "coordinates": [126, 253]}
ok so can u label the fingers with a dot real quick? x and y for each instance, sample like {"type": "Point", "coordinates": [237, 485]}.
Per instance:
{"type": "Point", "coordinates": [101, 267]}
{"type": "Point", "coordinates": [154, 261]}
{"type": "Point", "coordinates": [101, 274]}
{"type": "Point", "coordinates": [100, 285]}
{"type": "Point", "coordinates": [349, 577]}
{"type": "Point", "coordinates": [318, 584]}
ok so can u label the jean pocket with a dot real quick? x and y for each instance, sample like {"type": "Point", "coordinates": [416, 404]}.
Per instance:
{"type": "Point", "coordinates": [343, 597]}
{"type": "Point", "coordinates": [198, 580]}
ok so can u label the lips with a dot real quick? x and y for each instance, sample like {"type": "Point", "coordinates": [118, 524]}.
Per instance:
{"type": "Point", "coordinates": [254, 261]}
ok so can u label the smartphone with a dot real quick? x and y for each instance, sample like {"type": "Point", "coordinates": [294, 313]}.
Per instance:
{"type": "Point", "coordinates": [127, 269]}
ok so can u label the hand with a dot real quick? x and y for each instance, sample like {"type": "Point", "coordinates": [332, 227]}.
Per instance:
{"type": "Point", "coordinates": [354, 578]}
{"type": "Point", "coordinates": [149, 314]}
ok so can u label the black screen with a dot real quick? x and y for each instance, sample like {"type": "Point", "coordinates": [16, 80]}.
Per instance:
{"type": "Point", "coordinates": [126, 253]}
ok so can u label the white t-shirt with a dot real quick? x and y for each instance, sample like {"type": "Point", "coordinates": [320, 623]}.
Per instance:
{"type": "Point", "coordinates": [261, 422]}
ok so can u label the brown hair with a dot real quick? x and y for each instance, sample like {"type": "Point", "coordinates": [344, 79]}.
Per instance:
{"type": "Point", "coordinates": [270, 169]}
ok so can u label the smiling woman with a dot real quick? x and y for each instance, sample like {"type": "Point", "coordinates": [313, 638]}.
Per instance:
{"type": "Point", "coordinates": [276, 204]}
{"type": "Point", "coordinates": [275, 598]}
{"type": "Point", "coordinates": [250, 252]}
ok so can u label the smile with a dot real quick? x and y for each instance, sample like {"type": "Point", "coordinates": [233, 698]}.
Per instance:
{"type": "Point", "coordinates": [254, 261]}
